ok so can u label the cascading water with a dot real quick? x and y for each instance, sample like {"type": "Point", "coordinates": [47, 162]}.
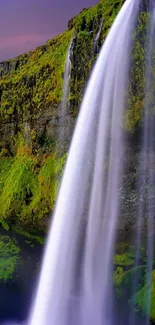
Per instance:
{"type": "Point", "coordinates": [75, 282]}
{"type": "Point", "coordinates": [67, 76]}
{"type": "Point", "coordinates": [64, 120]}
{"type": "Point", "coordinates": [98, 35]}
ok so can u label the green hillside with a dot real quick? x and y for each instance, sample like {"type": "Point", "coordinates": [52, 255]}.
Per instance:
{"type": "Point", "coordinates": [30, 94]}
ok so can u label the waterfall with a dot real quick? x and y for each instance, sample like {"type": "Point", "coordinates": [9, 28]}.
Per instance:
{"type": "Point", "coordinates": [98, 35]}
{"type": "Point", "coordinates": [67, 74]}
{"type": "Point", "coordinates": [64, 120]}
{"type": "Point", "coordinates": [75, 285]}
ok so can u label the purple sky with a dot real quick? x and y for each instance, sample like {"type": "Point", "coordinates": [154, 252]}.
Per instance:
{"type": "Point", "coordinates": [25, 24]}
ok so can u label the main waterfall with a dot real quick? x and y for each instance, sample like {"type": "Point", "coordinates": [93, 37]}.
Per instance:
{"type": "Point", "coordinates": [76, 281]}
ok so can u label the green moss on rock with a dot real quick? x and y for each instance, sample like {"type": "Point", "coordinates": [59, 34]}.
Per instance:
{"type": "Point", "coordinates": [124, 259]}
{"type": "Point", "coordinates": [123, 280]}
{"type": "Point", "coordinates": [87, 24]}
{"type": "Point", "coordinates": [30, 94]}
{"type": "Point", "coordinates": [145, 298]}
{"type": "Point", "coordinates": [9, 256]}
{"type": "Point", "coordinates": [28, 189]}
{"type": "Point", "coordinates": [35, 85]}
{"type": "Point", "coordinates": [126, 270]}
{"type": "Point", "coordinates": [137, 84]}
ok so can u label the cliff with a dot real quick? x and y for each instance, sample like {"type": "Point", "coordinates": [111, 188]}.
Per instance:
{"type": "Point", "coordinates": [30, 96]}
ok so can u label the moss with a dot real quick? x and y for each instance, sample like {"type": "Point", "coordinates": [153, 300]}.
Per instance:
{"type": "Point", "coordinates": [124, 254]}
{"type": "Point", "coordinates": [31, 88]}
{"type": "Point", "coordinates": [118, 276]}
{"type": "Point", "coordinates": [123, 280]}
{"type": "Point", "coordinates": [45, 192]}
{"type": "Point", "coordinates": [145, 298]}
{"type": "Point", "coordinates": [123, 247]}
{"type": "Point", "coordinates": [87, 24]}
{"type": "Point", "coordinates": [35, 85]}
{"type": "Point", "coordinates": [126, 270]}
{"type": "Point", "coordinates": [5, 165]}
{"type": "Point", "coordinates": [37, 238]}
{"type": "Point", "coordinates": [9, 255]}
{"type": "Point", "coordinates": [137, 85]}
{"type": "Point", "coordinates": [32, 83]}
{"type": "Point", "coordinates": [30, 93]}
{"type": "Point", "coordinates": [124, 259]}
{"type": "Point", "coordinates": [28, 189]}
{"type": "Point", "coordinates": [88, 18]}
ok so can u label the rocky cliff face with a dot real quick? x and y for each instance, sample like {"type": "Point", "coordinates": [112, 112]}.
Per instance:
{"type": "Point", "coordinates": [31, 84]}
{"type": "Point", "coordinates": [30, 96]}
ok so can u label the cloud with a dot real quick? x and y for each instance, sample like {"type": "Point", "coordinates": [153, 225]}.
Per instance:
{"type": "Point", "coordinates": [15, 45]}
{"type": "Point", "coordinates": [19, 40]}
{"type": "Point", "coordinates": [25, 24]}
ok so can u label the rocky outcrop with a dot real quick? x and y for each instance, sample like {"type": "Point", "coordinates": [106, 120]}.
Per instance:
{"type": "Point", "coordinates": [31, 84]}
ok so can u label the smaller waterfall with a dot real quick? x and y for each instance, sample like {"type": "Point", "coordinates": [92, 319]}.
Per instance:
{"type": "Point", "coordinates": [63, 113]}
{"type": "Point", "coordinates": [67, 74]}
{"type": "Point", "coordinates": [98, 36]}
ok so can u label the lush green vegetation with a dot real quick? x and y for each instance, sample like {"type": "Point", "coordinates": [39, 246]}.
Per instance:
{"type": "Point", "coordinates": [145, 298]}
{"type": "Point", "coordinates": [30, 93]}
{"type": "Point", "coordinates": [33, 83]}
{"type": "Point", "coordinates": [28, 188]}
{"type": "Point", "coordinates": [125, 273]}
{"type": "Point", "coordinates": [36, 83]}
{"type": "Point", "coordinates": [9, 256]}
{"type": "Point", "coordinates": [87, 24]}
{"type": "Point", "coordinates": [88, 18]}
{"type": "Point", "coordinates": [136, 87]}
{"type": "Point", "coordinates": [30, 169]}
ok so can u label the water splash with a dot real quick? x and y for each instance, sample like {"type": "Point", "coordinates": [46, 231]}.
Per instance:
{"type": "Point", "coordinates": [75, 282]}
